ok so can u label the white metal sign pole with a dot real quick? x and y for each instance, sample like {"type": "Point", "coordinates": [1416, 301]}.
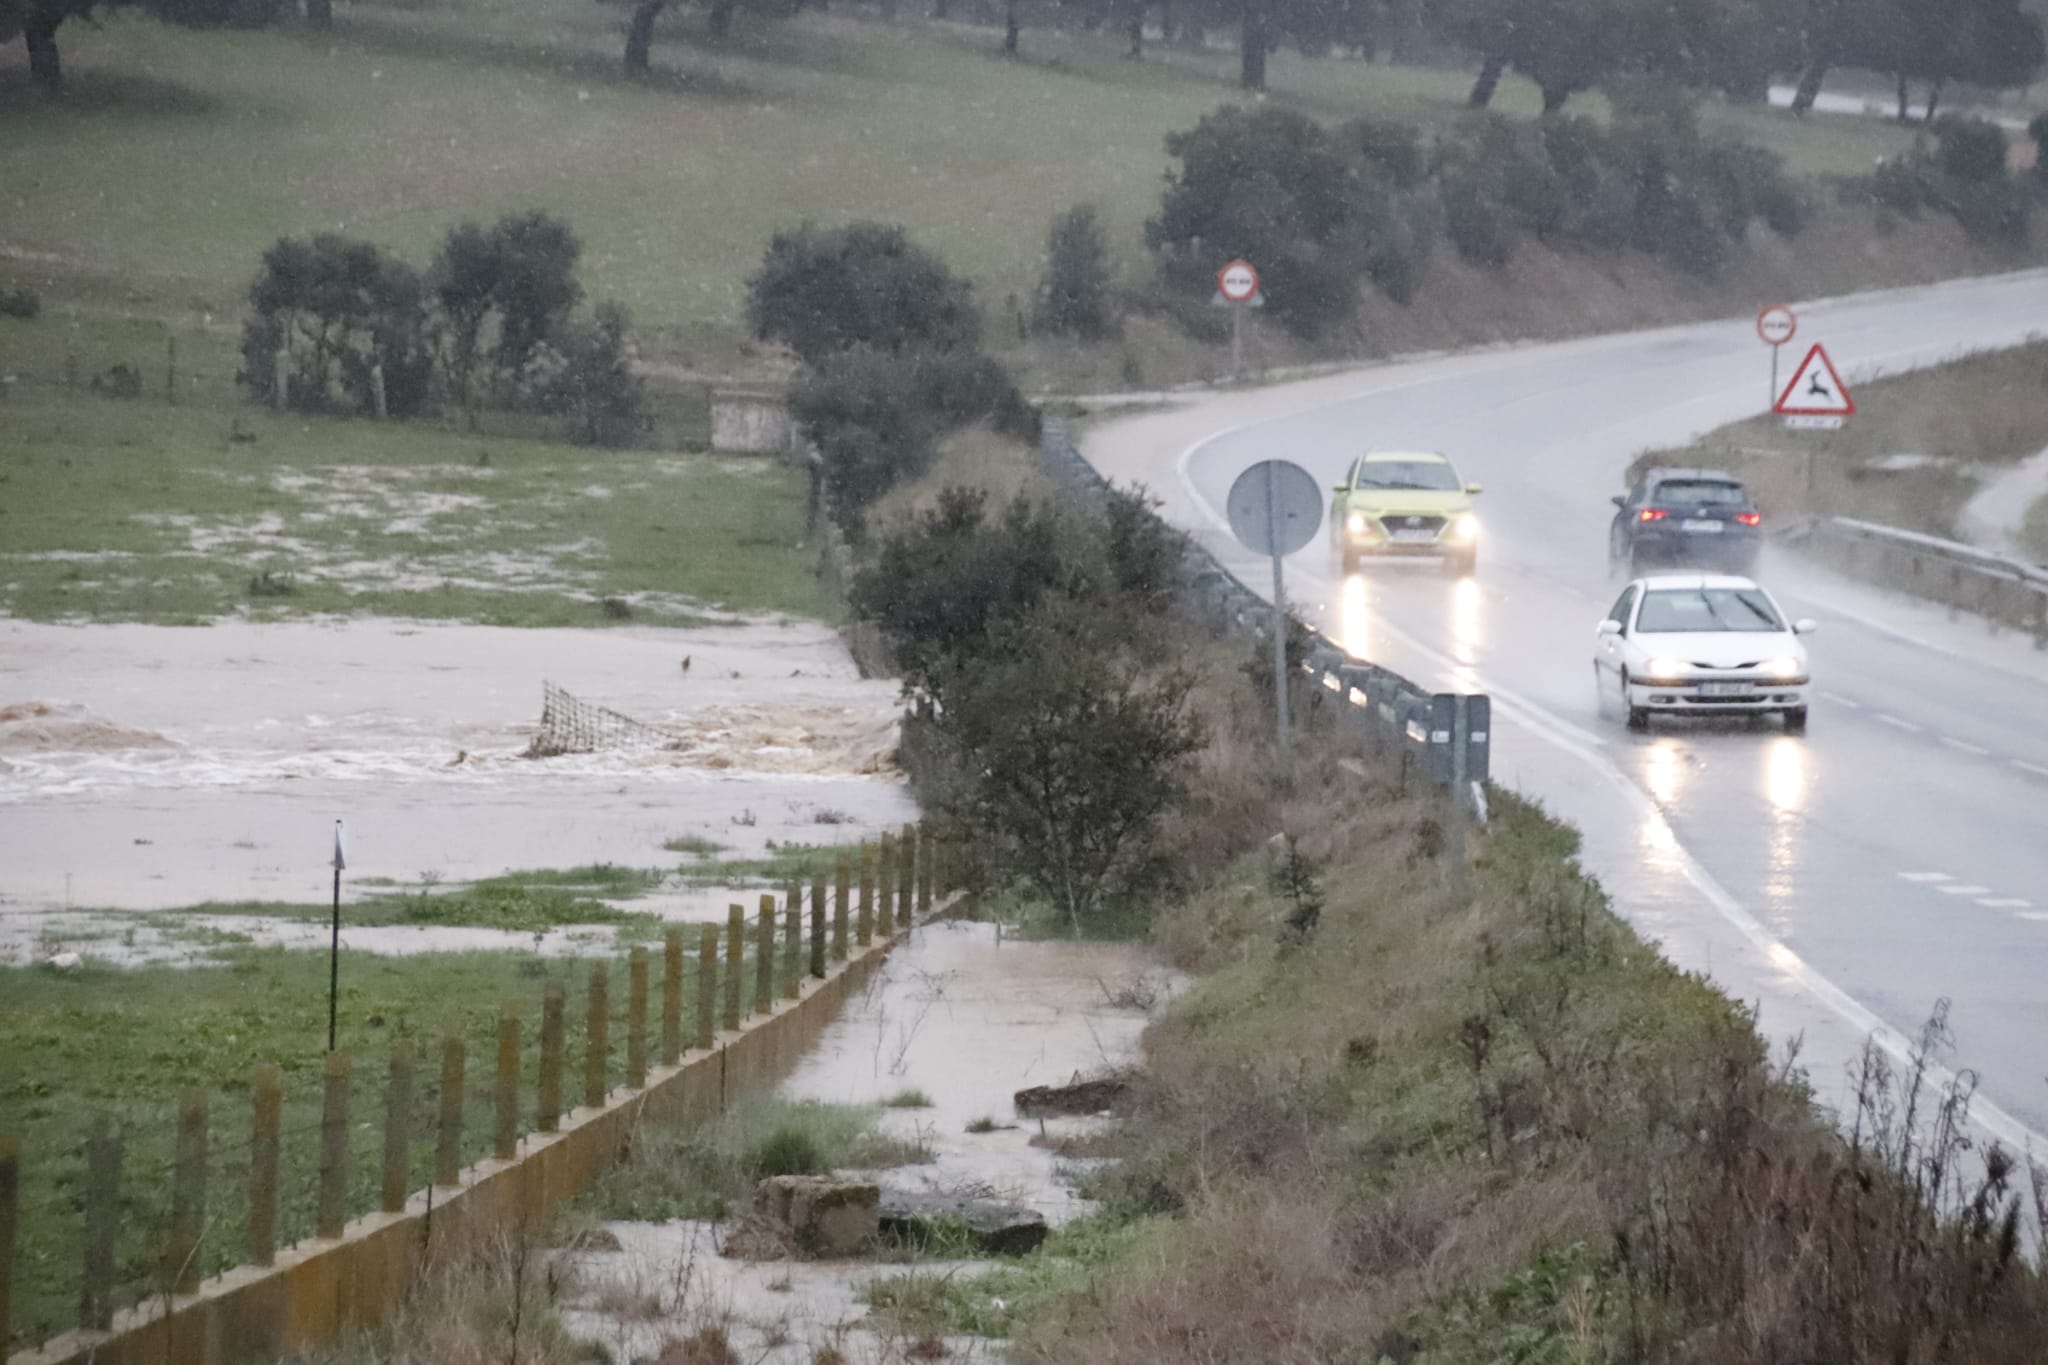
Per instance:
{"type": "Point", "coordinates": [1774, 372]}
{"type": "Point", "coordinates": [1236, 340]}
{"type": "Point", "coordinates": [1279, 593]}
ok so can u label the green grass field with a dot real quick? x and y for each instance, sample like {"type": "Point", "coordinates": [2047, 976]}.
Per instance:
{"type": "Point", "coordinates": [178, 155]}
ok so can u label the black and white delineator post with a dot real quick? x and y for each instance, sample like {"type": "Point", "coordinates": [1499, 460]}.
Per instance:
{"type": "Point", "coordinates": [1275, 508]}
{"type": "Point", "coordinates": [334, 940]}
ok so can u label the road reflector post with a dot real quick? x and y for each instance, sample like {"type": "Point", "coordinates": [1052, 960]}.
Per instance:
{"type": "Point", "coordinates": [505, 1141]}
{"type": "Point", "coordinates": [397, 1127]}
{"type": "Point", "coordinates": [448, 1140]}
{"type": "Point", "coordinates": [266, 1094]}
{"type": "Point", "coordinates": [334, 1146]}
{"type": "Point", "coordinates": [597, 1035]}
{"type": "Point", "coordinates": [553, 1045]}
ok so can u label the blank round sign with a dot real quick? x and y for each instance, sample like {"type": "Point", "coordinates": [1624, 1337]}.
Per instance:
{"type": "Point", "coordinates": [1275, 507]}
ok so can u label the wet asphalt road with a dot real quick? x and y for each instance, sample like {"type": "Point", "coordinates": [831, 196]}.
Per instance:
{"type": "Point", "coordinates": [1843, 881]}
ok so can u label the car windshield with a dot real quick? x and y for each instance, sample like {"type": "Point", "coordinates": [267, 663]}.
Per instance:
{"type": "Point", "coordinates": [1689, 610]}
{"type": "Point", "coordinates": [1699, 493]}
{"type": "Point", "coordinates": [1430, 475]}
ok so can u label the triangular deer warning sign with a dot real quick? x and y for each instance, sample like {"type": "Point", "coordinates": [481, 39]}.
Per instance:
{"type": "Point", "coordinates": [1816, 390]}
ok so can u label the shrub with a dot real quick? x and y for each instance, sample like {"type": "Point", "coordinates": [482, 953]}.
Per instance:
{"type": "Point", "coordinates": [1970, 151]}
{"type": "Point", "coordinates": [825, 291]}
{"type": "Point", "coordinates": [20, 302]}
{"type": "Point", "coordinates": [593, 383]}
{"type": "Point", "coordinates": [519, 274]}
{"type": "Point", "coordinates": [1995, 211]}
{"type": "Point", "coordinates": [340, 310]}
{"type": "Point", "coordinates": [1473, 220]}
{"type": "Point", "coordinates": [1903, 184]}
{"type": "Point", "coordinates": [217, 13]}
{"type": "Point", "coordinates": [1391, 148]}
{"type": "Point", "coordinates": [1073, 296]}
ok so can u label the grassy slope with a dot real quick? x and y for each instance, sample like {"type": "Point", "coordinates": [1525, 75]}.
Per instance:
{"type": "Point", "coordinates": [180, 155]}
{"type": "Point", "coordinates": [1983, 413]}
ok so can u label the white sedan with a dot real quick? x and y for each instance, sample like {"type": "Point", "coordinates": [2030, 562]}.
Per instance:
{"type": "Point", "coordinates": [1700, 644]}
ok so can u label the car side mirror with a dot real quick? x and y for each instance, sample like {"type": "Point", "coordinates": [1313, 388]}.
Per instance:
{"type": "Point", "coordinates": [1610, 627]}
{"type": "Point", "coordinates": [1340, 488]}
{"type": "Point", "coordinates": [1619, 499]}
{"type": "Point", "coordinates": [1805, 626]}
{"type": "Point", "coordinates": [1475, 489]}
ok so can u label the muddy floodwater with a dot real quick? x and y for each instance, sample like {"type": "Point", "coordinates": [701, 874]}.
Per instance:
{"type": "Point", "coordinates": [147, 767]}
{"type": "Point", "coordinates": [962, 1015]}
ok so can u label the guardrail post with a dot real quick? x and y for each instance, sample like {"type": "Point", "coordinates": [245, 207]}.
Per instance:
{"type": "Point", "coordinates": [885, 889]}
{"type": "Point", "coordinates": [818, 926]}
{"type": "Point", "coordinates": [792, 940]}
{"type": "Point", "coordinates": [597, 1035]}
{"type": "Point", "coordinates": [397, 1127]}
{"type": "Point", "coordinates": [334, 1146]}
{"type": "Point", "coordinates": [102, 1223]}
{"type": "Point", "coordinates": [505, 1141]}
{"type": "Point", "coordinates": [10, 1217]}
{"type": "Point", "coordinates": [266, 1091]}
{"type": "Point", "coordinates": [672, 997]}
{"type": "Point", "coordinates": [553, 1044]}
{"type": "Point", "coordinates": [735, 962]}
{"type": "Point", "coordinates": [866, 927]}
{"type": "Point", "coordinates": [188, 1196]}
{"type": "Point", "coordinates": [448, 1138]}
{"type": "Point", "coordinates": [636, 1017]}
{"type": "Point", "coordinates": [842, 883]}
{"type": "Point", "coordinates": [764, 958]}
{"type": "Point", "coordinates": [707, 986]}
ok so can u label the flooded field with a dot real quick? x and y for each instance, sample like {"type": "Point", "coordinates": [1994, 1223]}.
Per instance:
{"type": "Point", "coordinates": [968, 1019]}
{"type": "Point", "coordinates": [148, 767]}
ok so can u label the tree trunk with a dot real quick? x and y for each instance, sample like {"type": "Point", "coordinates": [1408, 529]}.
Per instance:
{"type": "Point", "coordinates": [640, 37]}
{"type": "Point", "coordinates": [721, 16]}
{"type": "Point", "coordinates": [1252, 46]}
{"type": "Point", "coordinates": [1933, 100]}
{"type": "Point", "coordinates": [320, 13]}
{"type": "Point", "coordinates": [1489, 81]}
{"type": "Point", "coordinates": [1810, 82]}
{"type": "Point", "coordinates": [1554, 97]}
{"type": "Point", "coordinates": [1905, 97]}
{"type": "Point", "coordinates": [1166, 21]}
{"type": "Point", "coordinates": [1010, 27]}
{"type": "Point", "coordinates": [1137, 31]}
{"type": "Point", "coordinates": [40, 33]}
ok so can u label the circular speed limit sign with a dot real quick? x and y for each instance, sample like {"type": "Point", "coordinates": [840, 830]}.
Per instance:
{"type": "Point", "coordinates": [1238, 282]}
{"type": "Point", "coordinates": [1776, 325]}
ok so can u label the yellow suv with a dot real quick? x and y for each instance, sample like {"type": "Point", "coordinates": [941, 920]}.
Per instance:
{"type": "Point", "coordinates": [1405, 503]}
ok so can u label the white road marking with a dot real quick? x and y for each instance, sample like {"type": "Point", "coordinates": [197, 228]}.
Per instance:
{"type": "Point", "coordinates": [1964, 746]}
{"type": "Point", "coordinates": [1963, 890]}
{"type": "Point", "coordinates": [2005, 903]}
{"type": "Point", "coordinates": [1898, 724]}
{"type": "Point", "coordinates": [2026, 767]}
{"type": "Point", "coordinates": [1839, 700]}
{"type": "Point", "coordinates": [1925, 877]}
{"type": "Point", "coordinates": [2037, 916]}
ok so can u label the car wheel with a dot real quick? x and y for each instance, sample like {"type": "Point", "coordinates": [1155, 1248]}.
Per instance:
{"type": "Point", "coordinates": [1795, 721]}
{"type": "Point", "coordinates": [1638, 716]}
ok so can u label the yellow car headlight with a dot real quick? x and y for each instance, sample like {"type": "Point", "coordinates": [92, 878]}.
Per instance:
{"type": "Point", "coordinates": [1783, 668]}
{"type": "Point", "coordinates": [1355, 523]}
{"type": "Point", "coordinates": [1466, 528]}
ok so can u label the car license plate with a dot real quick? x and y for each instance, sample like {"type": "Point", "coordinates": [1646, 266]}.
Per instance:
{"type": "Point", "coordinates": [1700, 524]}
{"type": "Point", "coordinates": [1725, 689]}
{"type": "Point", "coordinates": [1405, 537]}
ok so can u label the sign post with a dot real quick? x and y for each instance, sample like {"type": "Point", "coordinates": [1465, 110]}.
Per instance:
{"type": "Point", "coordinates": [1776, 325]}
{"type": "Point", "coordinates": [1275, 509]}
{"type": "Point", "coordinates": [1237, 285]}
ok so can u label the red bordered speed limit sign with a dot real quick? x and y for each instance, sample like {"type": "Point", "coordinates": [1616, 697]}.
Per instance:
{"type": "Point", "coordinates": [1238, 282]}
{"type": "Point", "coordinates": [1777, 325]}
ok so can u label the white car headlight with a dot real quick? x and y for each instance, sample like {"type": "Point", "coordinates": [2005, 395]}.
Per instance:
{"type": "Point", "coordinates": [1661, 670]}
{"type": "Point", "coordinates": [1466, 527]}
{"type": "Point", "coordinates": [1355, 523]}
{"type": "Point", "coordinates": [1783, 668]}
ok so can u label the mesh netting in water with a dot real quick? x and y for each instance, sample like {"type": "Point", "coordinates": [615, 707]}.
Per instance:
{"type": "Point", "coordinates": [569, 725]}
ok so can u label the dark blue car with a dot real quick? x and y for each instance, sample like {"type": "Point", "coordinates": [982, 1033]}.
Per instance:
{"type": "Point", "coordinates": [1686, 517]}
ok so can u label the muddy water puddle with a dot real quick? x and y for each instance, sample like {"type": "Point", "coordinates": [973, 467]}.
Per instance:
{"type": "Point", "coordinates": [968, 1019]}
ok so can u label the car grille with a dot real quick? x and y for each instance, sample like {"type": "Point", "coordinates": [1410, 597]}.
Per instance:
{"type": "Point", "coordinates": [1726, 668]}
{"type": "Point", "coordinates": [1411, 523]}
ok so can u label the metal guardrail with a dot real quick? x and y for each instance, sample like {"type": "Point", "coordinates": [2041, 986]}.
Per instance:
{"type": "Point", "coordinates": [2007, 592]}
{"type": "Point", "coordinates": [1445, 736]}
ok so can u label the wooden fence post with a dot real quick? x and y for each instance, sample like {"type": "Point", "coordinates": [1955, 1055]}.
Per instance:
{"type": "Point", "coordinates": [927, 856]}
{"type": "Point", "coordinates": [552, 1045]}
{"type": "Point", "coordinates": [672, 998]}
{"type": "Point", "coordinates": [188, 1196]}
{"type": "Point", "coordinates": [792, 940]}
{"type": "Point", "coordinates": [735, 958]}
{"type": "Point", "coordinates": [397, 1128]}
{"type": "Point", "coordinates": [818, 926]}
{"type": "Point", "coordinates": [334, 1146]}
{"type": "Point", "coordinates": [597, 1035]}
{"type": "Point", "coordinates": [866, 929]}
{"type": "Point", "coordinates": [707, 985]}
{"type": "Point", "coordinates": [885, 889]}
{"type": "Point", "coordinates": [267, 1094]}
{"type": "Point", "coordinates": [906, 877]}
{"type": "Point", "coordinates": [636, 1017]}
{"type": "Point", "coordinates": [764, 958]}
{"type": "Point", "coordinates": [505, 1141]}
{"type": "Point", "coordinates": [102, 1223]}
{"type": "Point", "coordinates": [10, 1218]}
{"type": "Point", "coordinates": [842, 884]}
{"type": "Point", "coordinates": [448, 1150]}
